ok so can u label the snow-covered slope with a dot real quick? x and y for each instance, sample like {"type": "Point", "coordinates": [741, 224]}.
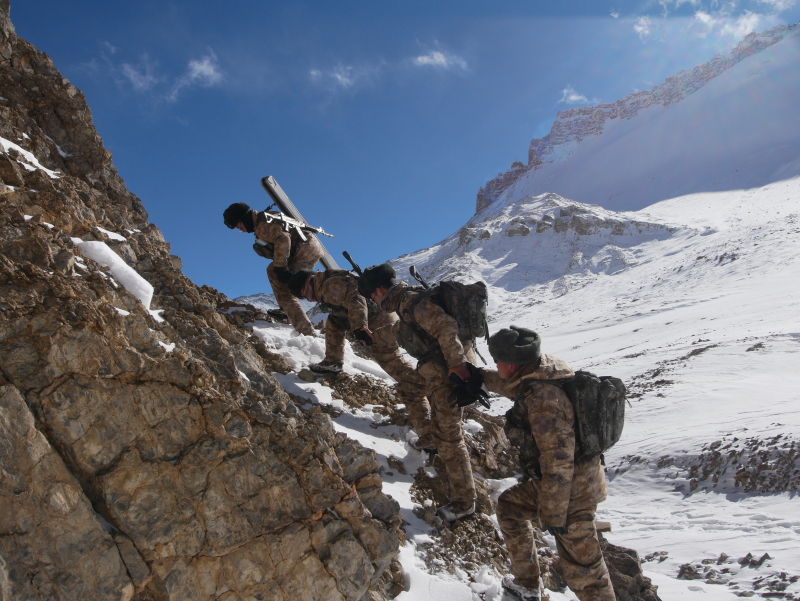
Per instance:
{"type": "Point", "coordinates": [728, 124]}
{"type": "Point", "coordinates": [262, 300]}
{"type": "Point", "coordinates": [693, 302]}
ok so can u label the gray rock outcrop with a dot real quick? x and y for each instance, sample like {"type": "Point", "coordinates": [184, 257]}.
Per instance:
{"type": "Point", "coordinates": [148, 455]}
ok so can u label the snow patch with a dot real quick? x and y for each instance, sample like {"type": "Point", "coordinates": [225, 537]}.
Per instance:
{"type": "Point", "coordinates": [101, 253]}
{"type": "Point", "coordinates": [31, 163]}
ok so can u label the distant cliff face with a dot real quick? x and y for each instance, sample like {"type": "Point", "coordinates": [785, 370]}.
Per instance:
{"type": "Point", "coordinates": [574, 125]}
{"type": "Point", "coordinates": [147, 452]}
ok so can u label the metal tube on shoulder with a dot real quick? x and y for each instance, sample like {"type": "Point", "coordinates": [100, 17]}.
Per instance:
{"type": "Point", "coordinates": [290, 212]}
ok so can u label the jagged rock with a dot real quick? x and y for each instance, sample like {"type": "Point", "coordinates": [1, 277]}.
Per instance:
{"type": "Point", "coordinates": [147, 456]}
{"type": "Point", "coordinates": [625, 570]}
{"type": "Point", "coordinates": [518, 229]}
{"type": "Point", "coordinates": [561, 224]}
{"type": "Point", "coordinates": [584, 225]}
{"type": "Point", "coordinates": [545, 224]}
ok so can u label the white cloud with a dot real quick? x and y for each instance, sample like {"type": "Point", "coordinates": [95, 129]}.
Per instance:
{"type": "Point", "coordinates": [438, 59]}
{"type": "Point", "coordinates": [644, 27]}
{"type": "Point", "coordinates": [733, 28]}
{"type": "Point", "coordinates": [614, 14]}
{"type": "Point", "coordinates": [570, 96]}
{"type": "Point", "coordinates": [343, 77]}
{"type": "Point", "coordinates": [203, 72]}
{"type": "Point", "coordinates": [747, 23]}
{"type": "Point", "coordinates": [142, 77]}
{"type": "Point", "coordinates": [109, 46]}
{"type": "Point", "coordinates": [666, 5]}
{"type": "Point", "coordinates": [779, 5]}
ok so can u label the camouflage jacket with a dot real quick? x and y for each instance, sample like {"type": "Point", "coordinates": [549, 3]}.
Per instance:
{"type": "Point", "coordinates": [541, 424]}
{"type": "Point", "coordinates": [285, 245]}
{"type": "Point", "coordinates": [339, 288]}
{"type": "Point", "coordinates": [423, 325]}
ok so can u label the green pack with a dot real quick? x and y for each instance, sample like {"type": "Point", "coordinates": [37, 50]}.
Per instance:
{"type": "Point", "coordinates": [599, 404]}
{"type": "Point", "coordinates": [466, 303]}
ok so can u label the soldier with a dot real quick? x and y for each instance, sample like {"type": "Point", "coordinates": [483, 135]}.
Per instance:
{"type": "Point", "coordinates": [349, 310]}
{"type": "Point", "coordinates": [431, 335]}
{"type": "Point", "coordinates": [287, 251]}
{"type": "Point", "coordinates": [561, 488]}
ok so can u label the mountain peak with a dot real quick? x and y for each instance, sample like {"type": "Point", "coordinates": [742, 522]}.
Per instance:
{"type": "Point", "coordinates": [565, 147]}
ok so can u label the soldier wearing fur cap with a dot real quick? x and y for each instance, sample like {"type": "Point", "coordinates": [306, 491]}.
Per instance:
{"type": "Point", "coordinates": [558, 490]}
{"type": "Point", "coordinates": [287, 251]}
{"type": "Point", "coordinates": [431, 335]}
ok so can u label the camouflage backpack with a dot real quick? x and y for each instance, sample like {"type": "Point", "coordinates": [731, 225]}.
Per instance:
{"type": "Point", "coordinates": [599, 405]}
{"type": "Point", "coordinates": [466, 303]}
{"type": "Point", "coordinates": [336, 310]}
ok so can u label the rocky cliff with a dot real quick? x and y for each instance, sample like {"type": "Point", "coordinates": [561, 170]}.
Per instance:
{"type": "Point", "coordinates": [146, 452]}
{"type": "Point", "coordinates": [574, 125]}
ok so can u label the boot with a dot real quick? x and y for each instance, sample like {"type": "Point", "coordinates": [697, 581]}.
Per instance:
{"type": "Point", "coordinates": [519, 592]}
{"type": "Point", "coordinates": [323, 367]}
{"type": "Point", "coordinates": [455, 511]}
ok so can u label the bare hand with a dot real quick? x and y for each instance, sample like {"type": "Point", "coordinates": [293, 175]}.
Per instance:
{"type": "Point", "coordinates": [461, 371]}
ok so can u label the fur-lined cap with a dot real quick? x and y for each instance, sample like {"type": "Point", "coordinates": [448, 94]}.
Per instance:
{"type": "Point", "coordinates": [515, 346]}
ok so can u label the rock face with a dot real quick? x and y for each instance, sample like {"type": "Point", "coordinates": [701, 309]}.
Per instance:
{"type": "Point", "coordinates": [148, 454]}
{"type": "Point", "coordinates": [625, 570]}
{"type": "Point", "coordinates": [574, 125]}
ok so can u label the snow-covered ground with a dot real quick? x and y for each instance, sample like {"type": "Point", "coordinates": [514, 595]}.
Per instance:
{"type": "Point", "coordinates": [693, 302]}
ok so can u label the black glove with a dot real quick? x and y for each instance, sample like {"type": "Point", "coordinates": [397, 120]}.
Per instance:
{"type": "Point", "coordinates": [363, 337]}
{"type": "Point", "coordinates": [282, 274]}
{"type": "Point", "coordinates": [471, 391]}
{"type": "Point", "coordinates": [556, 529]}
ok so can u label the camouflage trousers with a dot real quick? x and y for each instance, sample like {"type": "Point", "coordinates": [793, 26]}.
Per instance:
{"type": "Point", "coordinates": [446, 429]}
{"type": "Point", "coordinates": [410, 388]}
{"type": "Point", "coordinates": [581, 560]}
{"type": "Point", "coordinates": [288, 303]}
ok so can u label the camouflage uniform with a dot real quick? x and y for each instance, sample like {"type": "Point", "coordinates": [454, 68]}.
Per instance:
{"type": "Point", "coordinates": [410, 386]}
{"type": "Point", "coordinates": [445, 351]}
{"type": "Point", "coordinates": [558, 490]}
{"type": "Point", "coordinates": [340, 289]}
{"type": "Point", "coordinates": [292, 253]}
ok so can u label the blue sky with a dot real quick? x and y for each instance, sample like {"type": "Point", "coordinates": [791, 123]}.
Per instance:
{"type": "Point", "coordinates": [379, 119]}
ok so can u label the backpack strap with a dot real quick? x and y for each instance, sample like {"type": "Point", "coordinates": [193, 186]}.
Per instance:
{"type": "Point", "coordinates": [422, 294]}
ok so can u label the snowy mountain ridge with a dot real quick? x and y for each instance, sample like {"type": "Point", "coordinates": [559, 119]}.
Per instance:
{"type": "Point", "coordinates": [536, 241]}
{"type": "Point", "coordinates": [723, 114]}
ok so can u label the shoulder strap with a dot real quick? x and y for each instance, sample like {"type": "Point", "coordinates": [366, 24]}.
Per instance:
{"type": "Point", "coordinates": [422, 294]}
